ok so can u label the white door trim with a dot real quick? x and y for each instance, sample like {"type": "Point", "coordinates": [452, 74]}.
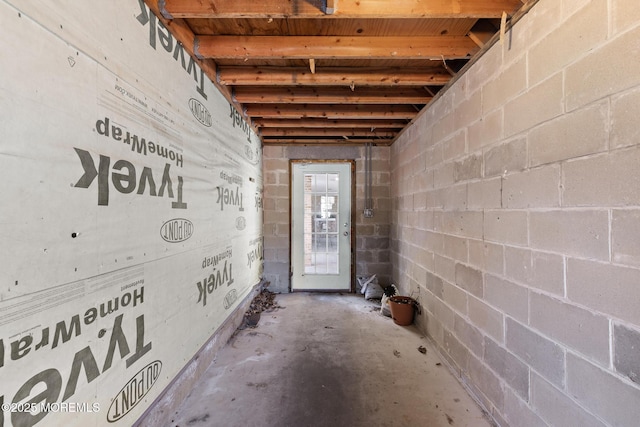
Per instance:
{"type": "Point", "coordinates": [313, 280]}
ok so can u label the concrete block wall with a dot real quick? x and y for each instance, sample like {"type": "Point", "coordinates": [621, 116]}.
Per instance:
{"type": "Point", "coordinates": [372, 247]}
{"type": "Point", "coordinates": [516, 204]}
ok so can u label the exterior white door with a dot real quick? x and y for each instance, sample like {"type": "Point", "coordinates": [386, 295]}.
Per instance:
{"type": "Point", "coordinates": [321, 226]}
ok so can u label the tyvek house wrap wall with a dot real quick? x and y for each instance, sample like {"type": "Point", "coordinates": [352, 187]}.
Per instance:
{"type": "Point", "coordinates": [131, 213]}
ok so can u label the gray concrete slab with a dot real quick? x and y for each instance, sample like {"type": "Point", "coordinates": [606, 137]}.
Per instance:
{"type": "Point", "coordinates": [327, 360]}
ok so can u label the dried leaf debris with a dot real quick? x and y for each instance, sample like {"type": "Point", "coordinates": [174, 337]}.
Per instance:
{"type": "Point", "coordinates": [263, 302]}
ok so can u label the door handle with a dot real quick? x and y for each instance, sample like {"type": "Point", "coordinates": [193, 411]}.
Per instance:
{"type": "Point", "coordinates": [346, 233]}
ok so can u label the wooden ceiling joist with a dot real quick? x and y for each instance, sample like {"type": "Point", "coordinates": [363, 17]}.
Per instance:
{"type": "Point", "coordinates": [333, 47]}
{"type": "Point", "coordinates": [282, 76]}
{"type": "Point", "coordinates": [327, 141]}
{"type": "Point", "coordinates": [382, 133]}
{"type": "Point", "coordinates": [333, 72]}
{"type": "Point", "coordinates": [329, 95]}
{"type": "Point", "coordinates": [355, 111]}
{"type": "Point", "coordinates": [342, 9]}
{"type": "Point", "coordinates": [324, 123]}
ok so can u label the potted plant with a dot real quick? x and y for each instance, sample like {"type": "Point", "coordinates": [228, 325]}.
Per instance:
{"type": "Point", "coordinates": [402, 309]}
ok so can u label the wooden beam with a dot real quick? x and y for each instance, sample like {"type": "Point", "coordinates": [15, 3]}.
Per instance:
{"type": "Point", "coordinates": [293, 111]}
{"type": "Point", "coordinates": [313, 132]}
{"type": "Point", "coordinates": [326, 123]}
{"type": "Point", "coordinates": [345, 9]}
{"type": "Point", "coordinates": [333, 47]}
{"type": "Point", "coordinates": [328, 141]}
{"type": "Point", "coordinates": [281, 76]}
{"type": "Point", "coordinates": [329, 95]}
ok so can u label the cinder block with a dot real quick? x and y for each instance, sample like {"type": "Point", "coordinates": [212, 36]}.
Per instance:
{"type": "Point", "coordinates": [487, 130]}
{"type": "Point", "coordinates": [583, 132]}
{"type": "Point", "coordinates": [487, 66]}
{"type": "Point", "coordinates": [485, 194]}
{"type": "Point", "coordinates": [432, 241]}
{"type": "Point", "coordinates": [463, 223]}
{"type": "Point", "coordinates": [626, 347]}
{"type": "Point", "coordinates": [526, 33]}
{"type": "Point", "coordinates": [423, 257]}
{"type": "Point", "coordinates": [468, 168]}
{"type": "Point", "coordinates": [383, 191]}
{"type": "Point", "coordinates": [455, 146]}
{"type": "Point", "coordinates": [455, 297]}
{"type": "Point", "coordinates": [445, 267]}
{"type": "Point", "coordinates": [435, 285]}
{"type": "Point", "coordinates": [279, 191]}
{"type": "Point", "coordinates": [508, 367]}
{"type": "Point", "coordinates": [282, 206]}
{"type": "Point", "coordinates": [505, 226]}
{"type": "Point", "coordinates": [443, 175]}
{"type": "Point", "coordinates": [435, 199]}
{"type": "Point", "coordinates": [625, 111]}
{"type": "Point", "coordinates": [435, 329]}
{"type": "Point", "coordinates": [420, 200]}
{"type": "Point", "coordinates": [581, 233]}
{"type": "Point", "coordinates": [269, 204]}
{"type": "Point", "coordinates": [591, 78]}
{"type": "Point", "coordinates": [470, 336]}
{"type": "Point", "coordinates": [272, 152]}
{"type": "Point", "coordinates": [444, 314]}
{"type": "Point", "coordinates": [626, 13]}
{"type": "Point", "coordinates": [270, 178]}
{"type": "Point", "coordinates": [543, 355]}
{"type": "Point", "coordinates": [468, 110]}
{"type": "Point", "coordinates": [445, 126]}
{"type": "Point", "coordinates": [275, 164]}
{"type": "Point", "coordinates": [540, 270]}
{"type": "Point", "coordinates": [469, 279]}
{"type": "Point", "coordinates": [455, 248]}
{"type": "Point", "coordinates": [606, 180]}
{"type": "Point", "coordinates": [486, 382]}
{"type": "Point", "coordinates": [276, 242]}
{"type": "Point", "coordinates": [518, 264]}
{"type": "Point", "coordinates": [574, 327]}
{"type": "Point", "coordinates": [556, 408]}
{"type": "Point", "coordinates": [486, 256]}
{"type": "Point", "coordinates": [511, 82]}
{"type": "Point", "coordinates": [506, 158]}
{"type": "Point", "coordinates": [539, 188]}
{"type": "Point", "coordinates": [539, 104]}
{"type": "Point", "coordinates": [605, 288]}
{"type": "Point", "coordinates": [508, 297]}
{"type": "Point", "coordinates": [566, 43]}
{"type": "Point", "coordinates": [605, 395]}
{"type": "Point", "coordinates": [454, 198]}
{"type": "Point", "coordinates": [518, 413]}
{"type": "Point", "coordinates": [625, 237]}
{"type": "Point", "coordinates": [486, 318]}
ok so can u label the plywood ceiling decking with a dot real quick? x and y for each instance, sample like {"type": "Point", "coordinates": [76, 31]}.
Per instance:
{"type": "Point", "coordinates": [332, 71]}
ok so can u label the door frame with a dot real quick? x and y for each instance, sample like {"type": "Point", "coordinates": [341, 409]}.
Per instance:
{"type": "Point", "coordinates": [352, 231]}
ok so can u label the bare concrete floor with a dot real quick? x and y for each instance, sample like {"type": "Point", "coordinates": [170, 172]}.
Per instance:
{"type": "Point", "coordinates": [327, 360]}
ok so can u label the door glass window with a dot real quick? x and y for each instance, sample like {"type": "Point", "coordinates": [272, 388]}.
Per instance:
{"type": "Point", "coordinates": [321, 223]}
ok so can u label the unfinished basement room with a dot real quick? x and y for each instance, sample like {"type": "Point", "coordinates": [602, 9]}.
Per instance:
{"type": "Point", "coordinates": [320, 213]}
